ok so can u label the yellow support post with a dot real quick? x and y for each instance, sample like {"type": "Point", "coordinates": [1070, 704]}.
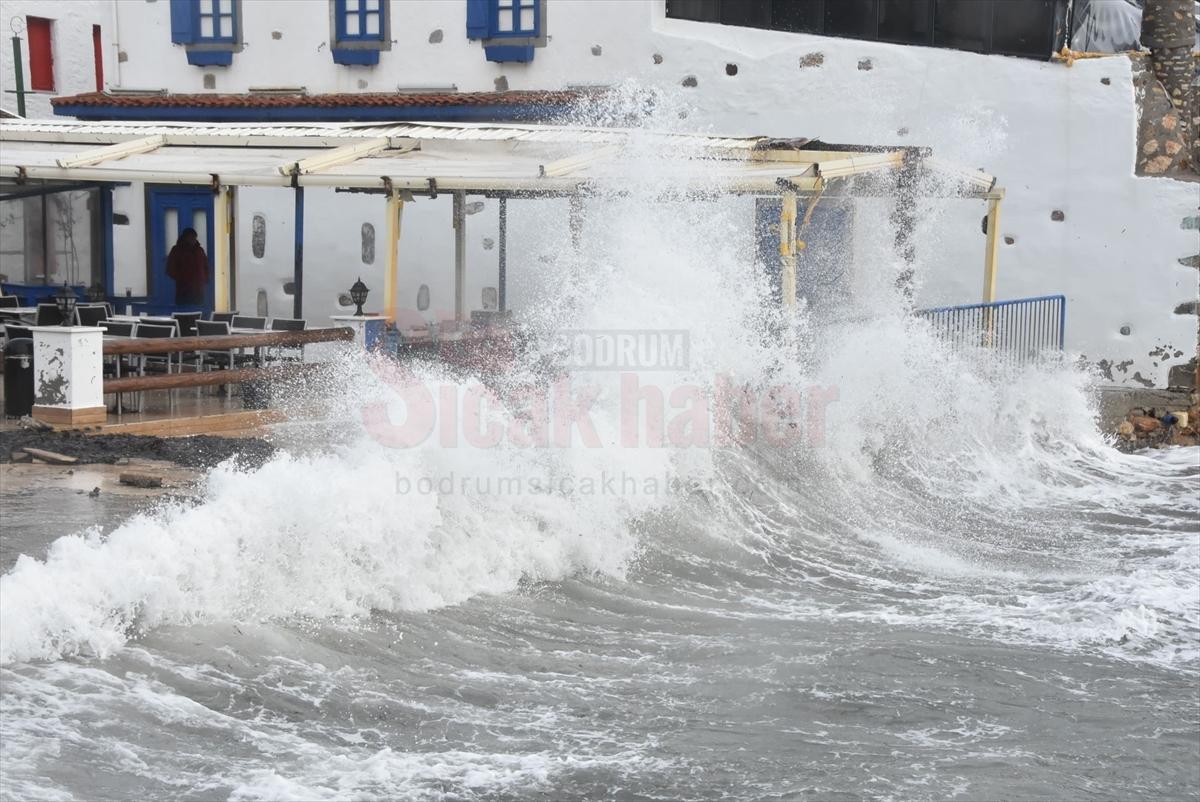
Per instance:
{"type": "Point", "coordinates": [991, 256]}
{"type": "Point", "coordinates": [787, 248]}
{"type": "Point", "coordinates": [395, 212]}
{"type": "Point", "coordinates": [222, 228]}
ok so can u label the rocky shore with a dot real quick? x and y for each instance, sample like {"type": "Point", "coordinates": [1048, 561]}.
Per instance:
{"type": "Point", "coordinates": [1157, 427]}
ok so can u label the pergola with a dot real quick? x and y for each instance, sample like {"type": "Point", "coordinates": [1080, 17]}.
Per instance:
{"type": "Point", "coordinates": [400, 161]}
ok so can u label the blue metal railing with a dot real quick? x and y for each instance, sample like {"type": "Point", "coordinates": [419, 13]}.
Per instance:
{"type": "Point", "coordinates": [1021, 328]}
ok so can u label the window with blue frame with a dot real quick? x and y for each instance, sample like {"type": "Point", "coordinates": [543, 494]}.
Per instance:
{"type": "Point", "coordinates": [217, 21]}
{"type": "Point", "coordinates": [510, 29]}
{"type": "Point", "coordinates": [209, 30]}
{"type": "Point", "coordinates": [515, 18]}
{"type": "Point", "coordinates": [360, 31]}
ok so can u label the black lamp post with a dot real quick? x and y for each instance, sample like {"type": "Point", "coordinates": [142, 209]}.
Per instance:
{"type": "Point", "coordinates": [358, 294]}
{"type": "Point", "coordinates": [65, 300]}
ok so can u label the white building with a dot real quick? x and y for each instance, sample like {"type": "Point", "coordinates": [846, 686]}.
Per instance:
{"type": "Point", "coordinates": [1062, 139]}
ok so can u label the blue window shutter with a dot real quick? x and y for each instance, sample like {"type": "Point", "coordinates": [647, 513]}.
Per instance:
{"type": "Point", "coordinates": [504, 53]}
{"type": "Point", "coordinates": [477, 19]}
{"type": "Point", "coordinates": [182, 18]}
{"type": "Point", "coordinates": [210, 58]}
{"type": "Point", "coordinates": [361, 58]}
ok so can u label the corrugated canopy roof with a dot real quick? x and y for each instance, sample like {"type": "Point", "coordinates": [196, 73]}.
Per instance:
{"type": "Point", "coordinates": [482, 158]}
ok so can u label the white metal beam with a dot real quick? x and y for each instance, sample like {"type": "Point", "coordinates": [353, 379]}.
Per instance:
{"type": "Point", "coordinates": [116, 151]}
{"type": "Point", "coordinates": [335, 157]}
{"type": "Point", "coordinates": [570, 164]}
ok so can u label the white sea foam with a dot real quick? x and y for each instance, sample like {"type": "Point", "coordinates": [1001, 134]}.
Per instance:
{"type": "Point", "coordinates": [921, 442]}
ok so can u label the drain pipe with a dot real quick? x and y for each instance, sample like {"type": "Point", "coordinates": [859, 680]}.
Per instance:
{"type": "Point", "coordinates": [19, 75]}
{"type": "Point", "coordinates": [116, 40]}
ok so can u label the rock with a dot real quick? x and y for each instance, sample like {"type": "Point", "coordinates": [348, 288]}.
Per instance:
{"type": "Point", "coordinates": [1125, 430]}
{"type": "Point", "coordinates": [27, 422]}
{"type": "Point", "coordinates": [1145, 424]}
{"type": "Point", "coordinates": [19, 456]}
{"type": "Point", "coordinates": [1187, 438]}
{"type": "Point", "coordinates": [52, 457]}
{"type": "Point", "coordinates": [95, 492]}
{"type": "Point", "coordinates": [138, 479]}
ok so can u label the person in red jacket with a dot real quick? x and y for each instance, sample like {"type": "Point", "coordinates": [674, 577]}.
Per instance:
{"type": "Point", "coordinates": [188, 265]}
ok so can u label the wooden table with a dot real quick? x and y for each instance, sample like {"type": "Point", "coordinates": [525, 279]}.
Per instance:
{"type": "Point", "coordinates": [154, 320]}
{"type": "Point", "coordinates": [27, 314]}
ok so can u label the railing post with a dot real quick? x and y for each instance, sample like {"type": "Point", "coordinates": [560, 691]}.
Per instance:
{"type": "Point", "coordinates": [68, 376]}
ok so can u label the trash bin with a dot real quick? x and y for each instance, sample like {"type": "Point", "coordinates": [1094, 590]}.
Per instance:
{"type": "Point", "coordinates": [18, 377]}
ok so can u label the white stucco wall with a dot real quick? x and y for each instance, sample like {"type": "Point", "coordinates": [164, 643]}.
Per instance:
{"type": "Point", "coordinates": [1057, 137]}
{"type": "Point", "coordinates": [71, 45]}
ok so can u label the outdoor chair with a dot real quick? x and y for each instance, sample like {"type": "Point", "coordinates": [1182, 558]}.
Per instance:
{"type": "Point", "coordinates": [48, 315]}
{"type": "Point", "coordinates": [9, 302]}
{"type": "Point", "coordinates": [90, 314]}
{"type": "Point", "coordinates": [241, 322]}
{"type": "Point", "coordinates": [12, 332]}
{"type": "Point", "coordinates": [119, 365]}
{"type": "Point", "coordinates": [158, 363]}
{"type": "Point", "coordinates": [214, 359]}
{"type": "Point", "coordinates": [186, 322]}
{"type": "Point", "coordinates": [292, 353]}
{"type": "Point", "coordinates": [222, 317]}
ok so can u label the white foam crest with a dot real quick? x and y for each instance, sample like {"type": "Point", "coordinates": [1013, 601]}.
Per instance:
{"type": "Point", "coordinates": [325, 535]}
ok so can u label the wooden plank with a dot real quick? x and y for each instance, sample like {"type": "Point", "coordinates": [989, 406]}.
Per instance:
{"type": "Point", "coordinates": [140, 479]}
{"type": "Point", "coordinates": [53, 457]}
{"type": "Point", "coordinates": [168, 345]}
{"type": "Point", "coordinates": [60, 415]}
{"type": "Point", "coordinates": [237, 424]}
{"type": "Point", "coordinates": [169, 381]}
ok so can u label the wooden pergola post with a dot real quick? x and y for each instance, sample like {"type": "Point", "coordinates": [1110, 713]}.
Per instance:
{"type": "Point", "coordinates": [503, 245]}
{"type": "Point", "coordinates": [391, 283]}
{"type": "Point", "coordinates": [787, 249]}
{"type": "Point", "coordinates": [992, 252]}
{"type": "Point", "coordinates": [460, 256]}
{"type": "Point", "coordinates": [222, 230]}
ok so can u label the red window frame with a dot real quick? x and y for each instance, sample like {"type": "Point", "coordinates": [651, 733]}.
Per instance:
{"type": "Point", "coordinates": [39, 33]}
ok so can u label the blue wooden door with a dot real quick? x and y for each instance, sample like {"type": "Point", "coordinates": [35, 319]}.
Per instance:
{"type": "Point", "coordinates": [172, 209]}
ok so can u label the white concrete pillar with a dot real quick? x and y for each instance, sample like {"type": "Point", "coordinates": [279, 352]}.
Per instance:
{"type": "Point", "coordinates": [368, 331]}
{"type": "Point", "coordinates": [68, 380]}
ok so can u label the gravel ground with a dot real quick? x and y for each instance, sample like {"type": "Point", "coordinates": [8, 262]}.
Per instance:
{"type": "Point", "coordinates": [199, 451]}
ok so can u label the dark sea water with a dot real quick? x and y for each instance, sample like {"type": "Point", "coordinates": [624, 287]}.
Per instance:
{"type": "Point", "coordinates": [1050, 653]}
